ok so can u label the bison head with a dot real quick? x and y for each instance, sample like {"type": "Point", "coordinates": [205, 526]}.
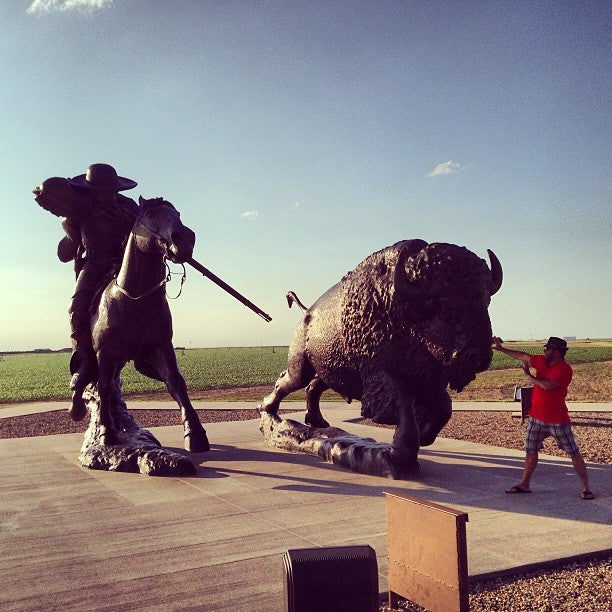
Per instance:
{"type": "Point", "coordinates": [444, 292]}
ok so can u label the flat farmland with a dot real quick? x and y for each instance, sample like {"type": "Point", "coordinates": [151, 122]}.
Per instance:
{"type": "Point", "coordinates": [248, 372]}
{"type": "Point", "coordinates": [26, 377]}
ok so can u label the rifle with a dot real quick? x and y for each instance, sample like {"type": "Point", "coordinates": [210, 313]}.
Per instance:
{"type": "Point", "coordinates": [215, 279]}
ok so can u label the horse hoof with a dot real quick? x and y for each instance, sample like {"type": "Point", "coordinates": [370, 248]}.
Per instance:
{"type": "Point", "coordinates": [195, 444]}
{"type": "Point", "coordinates": [271, 410]}
{"type": "Point", "coordinates": [108, 438]}
{"type": "Point", "coordinates": [77, 410]}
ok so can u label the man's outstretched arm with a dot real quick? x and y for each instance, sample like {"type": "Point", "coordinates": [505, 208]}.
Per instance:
{"type": "Point", "coordinates": [520, 355]}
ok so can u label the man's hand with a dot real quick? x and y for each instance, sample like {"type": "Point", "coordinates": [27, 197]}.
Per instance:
{"type": "Point", "coordinates": [543, 383]}
{"type": "Point", "coordinates": [497, 343]}
{"type": "Point", "coordinates": [520, 355]}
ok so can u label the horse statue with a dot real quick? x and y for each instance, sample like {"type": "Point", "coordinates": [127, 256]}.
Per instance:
{"type": "Point", "coordinates": [133, 322]}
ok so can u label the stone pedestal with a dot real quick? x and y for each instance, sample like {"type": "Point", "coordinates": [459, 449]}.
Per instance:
{"type": "Point", "coordinates": [138, 451]}
{"type": "Point", "coordinates": [334, 445]}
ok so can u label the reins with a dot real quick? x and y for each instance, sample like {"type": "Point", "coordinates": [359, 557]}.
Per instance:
{"type": "Point", "coordinates": [159, 285]}
{"type": "Point", "coordinates": [183, 279]}
{"type": "Point", "coordinates": [167, 278]}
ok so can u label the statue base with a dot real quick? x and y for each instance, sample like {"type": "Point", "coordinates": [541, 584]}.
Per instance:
{"type": "Point", "coordinates": [334, 445]}
{"type": "Point", "coordinates": [137, 451]}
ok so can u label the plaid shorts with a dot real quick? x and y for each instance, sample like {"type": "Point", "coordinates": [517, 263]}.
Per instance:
{"type": "Point", "coordinates": [537, 431]}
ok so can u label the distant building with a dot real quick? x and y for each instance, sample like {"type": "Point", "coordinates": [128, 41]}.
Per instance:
{"type": "Point", "coordinates": [569, 337]}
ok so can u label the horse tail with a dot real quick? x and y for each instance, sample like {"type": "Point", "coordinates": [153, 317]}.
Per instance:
{"type": "Point", "coordinates": [292, 297]}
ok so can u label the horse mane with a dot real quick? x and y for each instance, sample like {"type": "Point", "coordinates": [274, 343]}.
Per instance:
{"type": "Point", "coordinates": [146, 204]}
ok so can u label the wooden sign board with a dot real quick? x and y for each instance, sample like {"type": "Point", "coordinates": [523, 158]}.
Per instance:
{"type": "Point", "coordinates": [427, 550]}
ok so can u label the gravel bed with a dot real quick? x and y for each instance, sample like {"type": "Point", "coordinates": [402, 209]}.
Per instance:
{"type": "Point", "coordinates": [59, 422]}
{"type": "Point", "coordinates": [591, 430]}
{"type": "Point", "coordinates": [585, 585]}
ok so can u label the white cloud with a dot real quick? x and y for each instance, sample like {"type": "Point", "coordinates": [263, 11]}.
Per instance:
{"type": "Point", "coordinates": [250, 214]}
{"type": "Point", "coordinates": [449, 167]}
{"type": "Point", "coordinates": [46, 6]}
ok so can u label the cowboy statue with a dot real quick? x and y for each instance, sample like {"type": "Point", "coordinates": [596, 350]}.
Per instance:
{"type": "Point", "coordinates": [97, 222]}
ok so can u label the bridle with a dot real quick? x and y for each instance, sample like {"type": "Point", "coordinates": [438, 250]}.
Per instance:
{"type": "Point", "coordinates": [168, 276]}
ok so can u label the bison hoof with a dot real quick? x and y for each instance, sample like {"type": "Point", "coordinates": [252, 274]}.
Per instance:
{"type": "Point", "coordinates": [405, 472]}
{"type": "Point", "coordinates": [316, 422]}
{"type": "Point", "coordinates": [403, 466]}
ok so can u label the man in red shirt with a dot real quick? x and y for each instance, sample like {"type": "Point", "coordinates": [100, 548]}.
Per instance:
{"type": "Point", "coordinates": [548, 415]}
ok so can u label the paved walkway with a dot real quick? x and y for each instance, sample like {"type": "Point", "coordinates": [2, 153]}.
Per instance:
{"type": "Point", "coordinates": [72, 538]}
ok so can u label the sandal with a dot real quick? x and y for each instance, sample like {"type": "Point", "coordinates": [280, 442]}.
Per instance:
{"type": "Point", "coordinates": [517, 489]}
{"type": "Point", "coordinates": [587, 495]}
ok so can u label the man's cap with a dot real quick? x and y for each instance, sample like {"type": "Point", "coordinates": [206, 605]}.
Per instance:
{"type": "Point", "coordinates": [103, 177]}
{"type": "Point", "coordinates": [556, 344]}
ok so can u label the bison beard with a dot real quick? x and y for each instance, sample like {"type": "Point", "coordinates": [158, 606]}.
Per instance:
{"type": "Point", "coordinates": [407, 322]}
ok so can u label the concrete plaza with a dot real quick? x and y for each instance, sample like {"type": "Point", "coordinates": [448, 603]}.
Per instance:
{"type": "Point", "coordinates": [73, 538]}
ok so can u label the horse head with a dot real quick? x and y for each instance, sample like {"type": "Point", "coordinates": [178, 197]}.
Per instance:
{"type": "Point", "coordinates": [159, 228]}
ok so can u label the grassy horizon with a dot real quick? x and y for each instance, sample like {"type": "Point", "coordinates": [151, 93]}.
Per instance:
{"type": "Point", "coordinates": [43, 376]}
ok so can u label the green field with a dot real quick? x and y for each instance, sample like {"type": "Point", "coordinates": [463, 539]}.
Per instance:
{"type": "Point", "coordinates": [41, 376]}
{"type": "Point", "coordinates": [580, 351]}
{"type": "Point", "coordinates": [26, 377]}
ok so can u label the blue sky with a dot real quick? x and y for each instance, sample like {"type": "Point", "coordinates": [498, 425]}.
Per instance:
{"type": "Point", "coordinates": [298, 137]}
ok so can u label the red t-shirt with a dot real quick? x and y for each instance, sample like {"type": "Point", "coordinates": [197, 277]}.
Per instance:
{"type": "Point", "coordinates": [549, 406]}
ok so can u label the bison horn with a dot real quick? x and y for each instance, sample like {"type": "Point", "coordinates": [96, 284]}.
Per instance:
{"type": "Point", "coordinates": [497, 274]}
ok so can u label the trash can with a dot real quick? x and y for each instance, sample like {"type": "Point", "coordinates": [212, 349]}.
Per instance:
{"type": "Point", "coordinates": [523, 395]}
{"type": "Point", "coordinates": [333, 579]}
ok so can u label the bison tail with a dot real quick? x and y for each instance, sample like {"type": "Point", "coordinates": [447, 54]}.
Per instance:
{"type": "Point", "coordinates": [292, 297]}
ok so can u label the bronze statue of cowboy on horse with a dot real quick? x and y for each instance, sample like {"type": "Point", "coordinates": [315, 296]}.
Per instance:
{"type": "Point", "coordinates": [119, 249]}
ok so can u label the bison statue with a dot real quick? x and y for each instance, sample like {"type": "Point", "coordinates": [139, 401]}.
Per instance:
{"type": "Point", "coordinates": [408, 322]}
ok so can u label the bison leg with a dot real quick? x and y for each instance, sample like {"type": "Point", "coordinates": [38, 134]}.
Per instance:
{"type": "Point", "coordinates": [285, 385]}
{"type": "Point", "coordinates": [297, 375]}
{"type": "Point", "coordinates": [406, 439]}
{"type": "Point", "coordinates": [433, 413]}
{"type": "Point", "coordinates": [386, 399]}
{"type": "Point", "coordinates": [314, 390]}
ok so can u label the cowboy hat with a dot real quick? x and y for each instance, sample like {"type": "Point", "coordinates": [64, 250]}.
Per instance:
{"type": "Point", "coordinates": [103, 177]}
{"type": "Point", "coordinates": [557, 344]}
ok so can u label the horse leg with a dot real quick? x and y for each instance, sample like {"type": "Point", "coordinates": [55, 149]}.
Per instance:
{"type": "Point", "coordinates": [314, 390]}
{"type": "Point", "coordinates": [195, 438]}
{"type": "Point", "coordinates": [83, 367]}
{"type": "Point", "coordinates": [106, 376]}
{"type": "Point", "coordinates": [78, 409]}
